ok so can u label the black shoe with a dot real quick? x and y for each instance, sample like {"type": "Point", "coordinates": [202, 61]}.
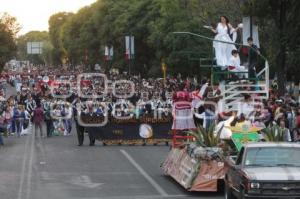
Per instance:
{"type": "Point", "coordinates": [92, 144]}
{"type": "Point", "coordinates": [79, 144]}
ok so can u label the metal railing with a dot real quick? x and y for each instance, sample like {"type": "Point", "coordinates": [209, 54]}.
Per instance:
{"type": "Point", "coordinates": [232, 93]}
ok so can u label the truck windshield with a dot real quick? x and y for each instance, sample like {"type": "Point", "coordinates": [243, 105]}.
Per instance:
{"type": "Point", "coordinates": [273, 157]}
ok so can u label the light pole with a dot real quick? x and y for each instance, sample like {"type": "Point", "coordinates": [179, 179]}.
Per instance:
{"type": "Point", "coordinates": [129, 45]}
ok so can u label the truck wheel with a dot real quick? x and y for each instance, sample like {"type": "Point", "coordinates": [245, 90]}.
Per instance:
{"type": "Point", "coordinates": [228, 192]}
{"type": "Point", "coordinates": [242, 194]}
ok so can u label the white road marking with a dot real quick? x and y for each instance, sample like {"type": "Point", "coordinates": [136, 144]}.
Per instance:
{"type": "Point", "coordinates": [85, 181]}
{"type": "Point", "coordinates": [23, 169]}
{"type": "Point", "coordinates": [145, 174]}
{"type": "Point", "coordinates": [30, 165]}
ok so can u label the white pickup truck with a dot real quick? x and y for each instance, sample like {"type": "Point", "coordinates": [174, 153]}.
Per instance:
{"type": "Point", "coordinates": [264, 170]}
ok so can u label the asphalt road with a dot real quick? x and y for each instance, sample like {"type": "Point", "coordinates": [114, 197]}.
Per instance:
{"type": "Point", "coordinates": [56, 168]}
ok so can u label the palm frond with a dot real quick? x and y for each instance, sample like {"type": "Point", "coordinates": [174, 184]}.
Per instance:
{"type": "Point", "coordinates": [274, 133]}
{"type": "Point", "coordinates": [206, 137]}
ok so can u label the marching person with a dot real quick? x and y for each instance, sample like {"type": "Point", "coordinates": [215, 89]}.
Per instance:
{"type": "Point", "coordinates": [90, 113]}
{"type": "Point", "coordinates": [79, 129]}
{"type": "Point", "coordinates": [30, 105]}
{"type": "Point", "coordinates": [78, 112]}
{"type": "Point", "coordinates": [3, 128]}
{"type": "Point", "coordinates": [38, 118]}
{"type": "Point", "coordinates": [67, 116]}
{"type": "Point", "coordinates": [7, 114]}
{"type": "Point", "coordinates": [48, 120]}
{"type": "Point", "coordinates": [19, 118]}
{"type": "Point", "coordinates": [26, 118]}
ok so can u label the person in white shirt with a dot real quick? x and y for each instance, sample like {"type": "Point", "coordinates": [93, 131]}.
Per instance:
{"type": "Point", "coordinates": [246, 109]}
{"type": "Point", "coordinates": [234, 64]}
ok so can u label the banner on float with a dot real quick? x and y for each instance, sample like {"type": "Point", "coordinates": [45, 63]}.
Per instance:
{"type": "Point", "coordinates": [129, 130]}
{"type": "Point", "coordinates": [239, 139]}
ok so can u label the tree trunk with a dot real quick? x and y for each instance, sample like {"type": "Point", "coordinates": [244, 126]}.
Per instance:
{"type": "Point", "coordinates": [281, 67]}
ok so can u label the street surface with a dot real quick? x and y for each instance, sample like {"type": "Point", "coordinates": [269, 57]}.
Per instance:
{"type": "Point", "coordinates": [56, 168]}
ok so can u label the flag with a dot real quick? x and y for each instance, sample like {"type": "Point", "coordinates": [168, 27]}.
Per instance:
{"type": "Point", "coordinates": [109, 53]}
{"type": "Point", "coordinates": [106, 53]}
{"type": "Point", "coordinates": [129, 47]}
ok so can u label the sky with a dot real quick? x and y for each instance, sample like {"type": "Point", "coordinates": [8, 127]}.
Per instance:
{"type": "Point", "coordinates": [34, 14]}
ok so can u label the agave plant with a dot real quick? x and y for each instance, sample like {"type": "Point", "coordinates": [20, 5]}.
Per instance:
{"type": "Point", "coordinates": [274, 133]}
{"type": "Point", "coordinates": [206, 137]}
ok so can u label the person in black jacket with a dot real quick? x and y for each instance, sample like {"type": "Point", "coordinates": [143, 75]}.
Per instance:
{"type": "Point", "coordinates": [252, 58]}
{"type": "Point", "coordinates": [80, 127]}
{"type": "Point", "coordinates": [80, 131]}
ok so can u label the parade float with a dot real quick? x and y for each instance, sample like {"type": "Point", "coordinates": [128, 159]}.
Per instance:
{"type": "Point", "coordinates": [198, 164]}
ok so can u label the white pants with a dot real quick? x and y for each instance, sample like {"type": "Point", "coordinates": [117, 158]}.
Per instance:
{"type": "Point", "coordinates": [240, 69]}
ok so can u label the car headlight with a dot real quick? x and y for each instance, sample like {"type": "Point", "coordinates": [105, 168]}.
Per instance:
{"type": "Point", "coordinates": [254, 185]}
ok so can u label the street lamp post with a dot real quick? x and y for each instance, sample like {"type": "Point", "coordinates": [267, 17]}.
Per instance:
{"type": "Point", "coordinates": [129, 71]}
{"type": "Point", "coordinates": [129, 45]}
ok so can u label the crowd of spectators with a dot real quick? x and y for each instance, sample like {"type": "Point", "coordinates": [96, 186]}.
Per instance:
{"type": "Point", "coordinates": [58, 95]}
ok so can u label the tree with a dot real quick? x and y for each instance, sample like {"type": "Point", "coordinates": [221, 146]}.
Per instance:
{"type": "Point", "coordinates": [152, 23]}
{"type": "Point", "coordinates": [79, 38]}
{"type": "Point", "coordinates": [8, 30]}
{"type": "Point", "coordinates": [56, 23]}
{"type": "Point", "coordinates": [11, 24]}
{"type": "Point", "coordinates": [183, 53]}
{"type": "Point", "coordinates": [279, 23]}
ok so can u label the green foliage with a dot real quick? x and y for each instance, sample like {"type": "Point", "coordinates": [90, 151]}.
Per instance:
{"type": "Point", "coordinates": [206, 137]}
{"type": "Point", "coordinates": [274, 134]}
{"type": "Point", "coordinates": [79, 38]}
{"type": "Point", "coordinates": [279, 24]}
{"type": "Point", "coordinates": [56, 23]}
{"type": "Point", "coordinates": [8, 30]}
{"type": "Point", "coordinates": [84, 35]}
{"type": "Point", "coordinates": [10, 23]}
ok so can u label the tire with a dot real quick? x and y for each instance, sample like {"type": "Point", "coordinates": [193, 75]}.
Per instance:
{"type": "Point", "coordinates": [228, 192]}
{"type": "Point", "coordinates": [242, 194]}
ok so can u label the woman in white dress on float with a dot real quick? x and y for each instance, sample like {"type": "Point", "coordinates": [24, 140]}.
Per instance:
{"type": "Point", "coordinates": [223, 50]}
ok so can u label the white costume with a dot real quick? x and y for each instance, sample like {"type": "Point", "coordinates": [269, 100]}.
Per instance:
{"type": "Point", "coordinates": [223, 50]}
{"type": "Point", "coordinates": [246, 109]}
{"type": "Point", "coordinates": [225, 133]}
{"type": "Point", "coordinates": [235, 66]}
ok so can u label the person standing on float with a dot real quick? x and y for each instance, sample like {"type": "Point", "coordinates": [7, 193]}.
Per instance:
{"type": "Point", "coordinates": [224, 32]}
